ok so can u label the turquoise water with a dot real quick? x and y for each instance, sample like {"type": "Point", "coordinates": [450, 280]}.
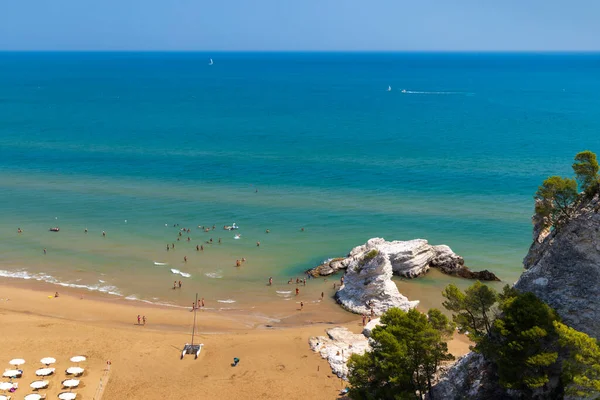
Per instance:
{"type": "Point", "coordinates": [133, 143]}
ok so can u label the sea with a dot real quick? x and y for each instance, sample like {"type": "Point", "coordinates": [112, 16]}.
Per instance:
{"type": "Point", "coordinates": [324, 150]}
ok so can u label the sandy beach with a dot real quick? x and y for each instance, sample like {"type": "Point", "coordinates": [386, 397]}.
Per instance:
{"type": "Point", "coordinates": [275, 360]}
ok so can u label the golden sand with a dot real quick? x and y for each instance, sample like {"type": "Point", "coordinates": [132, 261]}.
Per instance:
{"type": "Point", "coordinates": [275, 362]}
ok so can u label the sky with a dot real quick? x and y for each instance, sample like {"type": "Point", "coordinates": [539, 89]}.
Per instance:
{"type": "Point", "coordinates": [301, 25]}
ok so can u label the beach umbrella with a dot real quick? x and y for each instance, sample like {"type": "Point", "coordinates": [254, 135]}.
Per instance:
{"type": "Point", "coordinates": [12, 373]}
{"type": "Point", "coordinates": [33, 396]}
{"type": "Point", "coordinates": [4, 386]}
{"type": "Point", "coordinates": [17, 361]}
{"type": "Point", "coordinates": [3, 397]}
{"type": "Point", "coordinates": [48, 360]}
{"type": "Point", "coordinates": [70, 383]}
{"type": "Point", "coordinates": [45, 371]}
{"type": "Point", "coordinates": [39, 384]}
{"type": "Point", "coordinates": [75, 370]}
{"type": "Point", "coordinates": [67, 396]}
{"type": "Point", "coordinates": [78, 359]}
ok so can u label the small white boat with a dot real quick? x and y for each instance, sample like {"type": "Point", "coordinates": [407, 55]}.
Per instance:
{"type": "Point", "coordinates": [210, 62]}
{"type": "Point", "coordinates": [389, 89]}
{"type": "Point", "coordinates": [403, 90]}
{"type": "Point", "coordinates": [237, 236]}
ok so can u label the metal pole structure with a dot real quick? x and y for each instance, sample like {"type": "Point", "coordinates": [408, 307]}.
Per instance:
{"type": "Point", "coordinates": [194, 327]}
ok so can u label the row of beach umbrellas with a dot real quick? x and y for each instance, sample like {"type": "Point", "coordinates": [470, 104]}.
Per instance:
{"type": "Point", "coordinates": [41, 384]}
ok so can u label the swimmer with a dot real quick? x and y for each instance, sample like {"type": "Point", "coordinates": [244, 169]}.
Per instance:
{"type": "Point", "coordinates": [85, 230]}
{"type": "Point", "coordinates": [297, 291]}
{"type": "Point", "coordinates": [197, 248]}
{"type": "Point", "coordinates": [243, 259]}
{"type": "Point", "coordinates": [103, 234]}
{"type": "Point", "coordinates": [184, 258]}
{"type": "Point", "coordinates": [257, 244]}
{"type": "Point", "coordinates": [19, 230]}
{"type": "Point", "coordinates": [210, 240]}
{"type": "Point", "coordinates": [167, 247]}
{"type": "Point", "coordinates": [219, 240]}
{"type": "Point", "coordinates": [174, 284]}
{"type": "Point", "coordinates": [238, 263]}
{"type": "Point", "coordinates": [44, 251]}
{"type": "Point", "coordinates": [180, 284]}
{"type": "Point", "coordinates": [267, 231]}
{"type": "Point", "coordinates": [201, 248]}
{"type": "Point", "coordinates": [173, 246]}
{"type": "Point", "coordinates": [301, 229]}
{"type": "Point", "coordinates": [270, 281]}
{"type": "Point", "coordinates": [214, 227]}
{"type": "Point", "coordinates": [189, 239]}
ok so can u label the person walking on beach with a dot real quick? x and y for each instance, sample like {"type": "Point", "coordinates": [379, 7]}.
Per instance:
{"type": "Point", "coordinates": [184, 258]}
{"type": "Point", "coordinates": [322, 295]}
{"type": "Point", "coordinates": [139, 319]}
{"type": "Point", "coordinates": [297, 291]}
{"type": "Point", "coordinates": [301, 305]}
{"type": "Point", "coordinates": [144, 319]}
{"type": "Point", "coordinates": [202, 302]}
{"type": "Point", "coordinates": [364, 319]}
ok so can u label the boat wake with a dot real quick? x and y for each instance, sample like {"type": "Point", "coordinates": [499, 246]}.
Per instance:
{"type": "Point", "coordinates": [160, 264]}
{"type": "Point", "coordinates": [423, 92]}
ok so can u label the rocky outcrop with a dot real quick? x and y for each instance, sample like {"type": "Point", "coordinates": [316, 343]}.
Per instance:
{"type": "Point", "coordinates": [564, 269]}
{"type": "Point", "coordinates": [409, 259]}
{"type": "Point", "coordinates": [368, 286]}
{"type": "Point", "coordinates": [372, 324]}
{"type": "Point", "coordinates": [338, 346]}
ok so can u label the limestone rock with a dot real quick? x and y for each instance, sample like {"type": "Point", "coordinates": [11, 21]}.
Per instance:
{"type": "Point", "coordinates": [409, 259]}
{"type": "Point", "coordinates": [338, 346]}
{"type": "Point", "coordinates": [564, 270]}
{"type": "Point", "coordinates": [368, 286]}
{"type": "Point", "coordinates": [370, 326]}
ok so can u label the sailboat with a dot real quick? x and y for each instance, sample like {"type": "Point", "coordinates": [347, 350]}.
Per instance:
{"type": "Point", "coordinates": [191, 348]}
{"type": "Point", "coordinates": [210, 62]}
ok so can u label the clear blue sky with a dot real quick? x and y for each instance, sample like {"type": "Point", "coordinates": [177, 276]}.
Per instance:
{"type": "Point", "coordinates": [447, 25]}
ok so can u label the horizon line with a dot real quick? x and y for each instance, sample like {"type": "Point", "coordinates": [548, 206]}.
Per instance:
{"type": "Point", "coordinates": [597, 51]}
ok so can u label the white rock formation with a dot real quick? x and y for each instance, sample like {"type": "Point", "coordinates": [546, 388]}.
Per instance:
{"type": "Point", "coordinates": [370, 326]}
{"type": "Point", "coordinates": [338, 346]}
{"type": "Point", "coordinates": [368, 286]}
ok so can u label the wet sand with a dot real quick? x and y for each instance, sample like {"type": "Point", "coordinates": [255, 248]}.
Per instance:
{"type": "Point", "coordinates": [275, 360]}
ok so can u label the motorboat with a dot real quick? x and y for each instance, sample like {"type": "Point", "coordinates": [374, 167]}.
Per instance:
{"type": "Point", "coordinates": [55, 229]}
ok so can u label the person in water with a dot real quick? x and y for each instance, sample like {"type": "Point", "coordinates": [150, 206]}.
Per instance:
{"type": "Point", "coordinates": [103, 234]}
{"type": "Point", "coordinates": [270, 280]}
{"type": "Point", "coordinates": [184, 258]}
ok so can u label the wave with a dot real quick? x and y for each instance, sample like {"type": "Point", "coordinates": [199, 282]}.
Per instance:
{"type": "Point", "coordinates": [214, 275]}
{"type": "Point", "coordinates": [110, 289]}
{"type": "Point", "coordinates": [229, 301]}
{"type": "Point", "coordinates": [184, 274]}
{"type": "Point", "coordinates": [159, 263]}
{"type": "Point", "coordinates": [284, 292]}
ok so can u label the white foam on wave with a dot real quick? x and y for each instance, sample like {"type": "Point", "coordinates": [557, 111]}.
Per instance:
{"type": "Point", "coordinates": [228, 301]}
{"type": "Point", "coordinates": [424, 92]}
{"type": "Point", "coordinates": [178, 272]}
{"type": "Point", "coordinates": [284, 292]}
{"type": "Point", "coordinates": [42, 277]}
{"type": "Point", "coordinates": [214, 275]}
{"type": "Point", "coordinates": [159, 263]}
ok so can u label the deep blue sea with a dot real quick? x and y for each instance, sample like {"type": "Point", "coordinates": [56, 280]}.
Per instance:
{"type": "Point", "coordinates": [133, 143]}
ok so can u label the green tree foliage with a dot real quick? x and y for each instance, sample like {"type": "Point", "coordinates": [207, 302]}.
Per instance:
{"type": "Point", "coordinates": [472, 309]}
{"type": "Point", "coordinates": [555, 197]}
{"type": "Point", "coordinates": [581, 367]}
{"type": "Point", "coordinates": [406, 351]}
{"type": "Point", "coordinates": [586, 171]}
{"type": "Point", "coordinates": [523, 342]}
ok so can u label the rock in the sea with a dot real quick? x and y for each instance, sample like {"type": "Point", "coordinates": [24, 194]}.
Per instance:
{"type": "Point", "coordinates": [409, 259]}
{"type": "Point", "coordinates": [368, 286]}
{"type": "Point", "coordinates": [564, 269]}
{"type": "Point", "coordinates": [338, 346]}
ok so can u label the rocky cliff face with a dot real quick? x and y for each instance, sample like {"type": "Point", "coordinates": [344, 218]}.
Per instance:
{"type": "Point", "coordinates": [563, 269]}
{"type": "Point", "coordinates": [338, 346]}
{"type": "Point", "coordinates": [409, 259]}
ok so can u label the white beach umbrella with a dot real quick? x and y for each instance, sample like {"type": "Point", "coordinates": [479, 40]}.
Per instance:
{"type": "Point", "coordinates": [3, 397]}
{"type": "Point", "coordinates": [71, 383]}
{"type": "Point", "coordinates": [4, 386]}
{"type": "Point", "coordinates": [45, 371]}
{"type": "Point", "coordinates": [39, 384]}
{"type": "Point", "coordinates": [75, 370]}
{"type": "Point", "coordinates": [12, 373]}
{"type": "Point", "coordinates": [78, 359]}
{"type": "Point", "coordinates": [33, 396]}
{"type": "Point", "coordinates": [17, 361]}
{"type": "Point", "coordinates": [48, 360]}
{"type": "Point", "coordinates": [67, 396]}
